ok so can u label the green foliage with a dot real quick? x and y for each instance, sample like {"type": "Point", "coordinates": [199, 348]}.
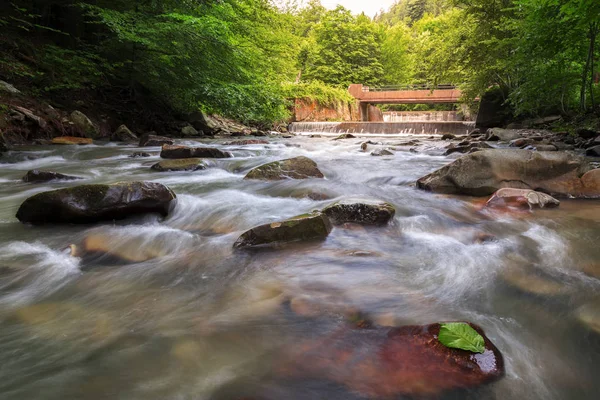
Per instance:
{"type": "Point", "coordinates": [347, 49]}
{"type": "Point", "coordinates": [458, 335]}
{"type": "Point", "coordinates": [317, 91]}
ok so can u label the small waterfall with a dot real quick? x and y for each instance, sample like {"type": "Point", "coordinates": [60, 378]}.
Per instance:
{"type": "Point", "coordinates": [384, 128]}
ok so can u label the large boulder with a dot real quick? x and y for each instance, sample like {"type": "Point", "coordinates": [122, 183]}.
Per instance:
{"type": "Point", "coordinates": [189, 130]}
{"type": "Point", "coordinates": [521, 198]}
{"type": "Point", "coordinates": [361, 211]}
{"type": "Point", "coordinates": [503, 135]}
{"type": "Point", "coordinates": [151, 140]}
{"type": "Point", "coordinates": [186, 164]}
{"type": "Point", "coordinates": [85, 125]}
{"type": "Point", "coordinates": [291, 168]}
{"type": "Point", "coordinates": [313, 226]}
{"type": "Point", "coordinates": [178, 152]}
{"type": "Point", "coordinates": [70, 140]}
{"type": "Point", "coordinates": [95, 203]}
{"type": "Point", "coordinates": [390, 363]}
{"type": "Point", "coordinates": [123, 134]}
{"type": "Point", "coordinates": [46, 176]}
{"type": "Point", "coordinates": [484, 172]}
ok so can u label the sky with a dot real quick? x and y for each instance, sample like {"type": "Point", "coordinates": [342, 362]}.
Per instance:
{"type": "Point", "coordinates": [369, 7]}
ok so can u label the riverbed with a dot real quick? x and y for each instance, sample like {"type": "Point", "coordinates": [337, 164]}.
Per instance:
{"type": "Point", "coordinates": [174, 312]}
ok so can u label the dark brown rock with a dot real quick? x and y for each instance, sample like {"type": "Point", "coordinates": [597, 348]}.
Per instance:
{"type": "Point", "coordinates": [315, 226]}
{"type": "Point", "coordinates": [345, 136]}
{"type": "Point", "coordinates": [593, 151]}
{"type": "Point", "coordinates": [45, 176]}
{"type": "Point", "coordinates": [140, 154]}
{"type": "Point", "coordinates": [179, 152]}
{"type": "Point", "coordinates": [186, 164]}
{"type": "Point", "coordinates": [361, 211]}
{"type": "Point", "coordinates": [95, 203]}
{"type": "Point", "coordinates": [448, 136]}
{"type": "Point", "coordinates": [291, 168]}
{"type": "Point", "coordinates": [586, 133]}
{"type": "Point", "coordinates": [151, 140]}
{"type": "Point", "coordinates": [386, 363]}
{"type": "Point", "coordinates": [123, 134]}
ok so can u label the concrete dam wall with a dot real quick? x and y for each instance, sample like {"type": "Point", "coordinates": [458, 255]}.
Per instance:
{"type": "Point", "coordinates": [385, 128]}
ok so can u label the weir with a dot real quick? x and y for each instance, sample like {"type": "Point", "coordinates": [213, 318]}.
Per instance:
{"type": "Point", "coordinates": [385, 128]}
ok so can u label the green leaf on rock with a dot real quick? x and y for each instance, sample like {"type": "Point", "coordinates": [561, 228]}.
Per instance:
{"type": "Point", "coordinates": [459, 335]}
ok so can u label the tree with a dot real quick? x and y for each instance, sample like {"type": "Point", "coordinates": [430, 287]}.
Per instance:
{"type": "Point", "coordinates": [347, 49]}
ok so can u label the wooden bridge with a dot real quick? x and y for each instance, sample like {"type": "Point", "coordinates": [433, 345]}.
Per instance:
{"type": "Point", "coordinates": [411, 94]}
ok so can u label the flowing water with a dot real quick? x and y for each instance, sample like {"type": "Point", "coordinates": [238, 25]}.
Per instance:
{"type": "Point", "coordinates": [175, 313]}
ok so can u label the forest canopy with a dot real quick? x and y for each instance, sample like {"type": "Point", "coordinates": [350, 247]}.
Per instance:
{"type": "Point", "coordinates": [246, 59]}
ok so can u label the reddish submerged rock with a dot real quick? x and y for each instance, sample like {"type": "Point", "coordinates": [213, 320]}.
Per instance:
{"type": "Point", "coordinates": [521, 198]}
{"type": "Point", "coordinates": [385, 363]}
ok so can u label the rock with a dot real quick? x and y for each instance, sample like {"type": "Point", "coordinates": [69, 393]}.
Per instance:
{"type": "Point", "coordinates": [586, 133]}
{"type": "Point", "coordinates": [246, 142]}
{"type": "Point", "coordinates": [186, 164]}
{"type": "Point", "coordinates": [178, 152]}
{"type": "Point", "coordinates": [361, 211]}
{"type": "Point", "coordinates": [593, 151]}
{"type": "Point", "coordinates": [364, 146]}
{"type": "Point", "coordinates": [123, 134]}
{"type": "Point", "coordinates": [521, 142]}
{"type": "Point", "coordinates": [138, 154]}
{"type": "Point", "coordinates": [95, 203]}
{"type": "Point", "coordinates": [485, 172]}
{"type": "Point", "coordinates": [467, 148]}
{"type": "Point", "coordinates": [448, 136]}
{"type": "Point", "coordinates": [85, 125]}
{"type": "Point", "coordinates": [291, 168]}
{"type": "Point", "coordinates": [504, 135]}
{"type": "Point", "coordinates": [46, 176]}
{"type": "Point", "coordinates": [315, 226]}
{"type": "Point", "coordinates": [543, 147]}
{"type": "Point", "coordinates": [475, 133]}
{"type": "Point", "coordinates": [7, 87]}
{"type": "Point", "coordinates": [381, 153]}
{"type": "Point", "coordinates": [151, 140]}
{"type": "Point", "coordinates": [345, 136]}
{"type": "Point", "coordinates": [545, 120]}
{"type": "Point", "coordinates": [31, 116]}
{"type": "Point", "coordinates": [390, 363]}
{"type": "Point", "coordinates": [522, 198]}
{"type": "Point", "coordinates": [589, 315]}
{"type": "Point", "coordinates": [70, 140]}
{"type": "Point", "coordinates": [532, 280]}
{"type": "Point", "coordinates": [189, 130]}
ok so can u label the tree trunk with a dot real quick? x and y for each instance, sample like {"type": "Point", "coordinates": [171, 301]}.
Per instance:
{"type": "Point", "coordinates": [593, 34]}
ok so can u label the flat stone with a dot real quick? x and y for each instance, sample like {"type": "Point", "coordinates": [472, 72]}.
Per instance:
{"type": "Point", "coordinates": [70, 140]}
{"type": "Point", "coordinates": [96, 203]}
{"type": "Point", "coordinates": [45, 176]}
{"type": "Point", "coordinates": [386, 363]}
{"type": "Point", "coordinates": [361, 211]}
{"type": "Point", "coordinates": [186, 164]}
{"type": "Point", "coordinates": [315, 226]}
{"type": "Point", "coordinates": [292, 168]}
{"type": "Point", "coordinates": [522, 198]}
{"type": "Point", "coordinates": [179, 152]}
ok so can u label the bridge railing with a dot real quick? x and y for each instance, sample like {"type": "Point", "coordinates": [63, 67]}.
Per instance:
{"type": "Point", "coordinates": [395, 88]}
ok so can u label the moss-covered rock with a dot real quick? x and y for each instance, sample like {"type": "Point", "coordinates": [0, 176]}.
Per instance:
{"type": "Point", "coordinates": [186, 164]}
{"type": "Point", "coordinates": [45, 176]}
{"type": "Point", "coordinates": [361, 211]}
{"type": "Point", "coordinates": [123, 134]}
{"type": "Point", "coordinates": [72, 140]}
{"type": "Point", "coordinates": [313, 226]}
{"type": "Point", "coordinates": [85, 125]}
{"type": "Point", "coordinates": [178, 152]}
{"type": "Point", "coordinates": [292, 168]}
{"type": "Point", "coordinates": [95, 203]}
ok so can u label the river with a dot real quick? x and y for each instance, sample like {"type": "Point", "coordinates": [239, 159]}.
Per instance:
{"type": "Point", "coordinates": [188, 317]}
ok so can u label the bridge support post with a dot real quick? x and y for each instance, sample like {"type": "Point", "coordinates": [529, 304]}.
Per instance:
{"type": "Point", "coordinates": [364, 111]}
